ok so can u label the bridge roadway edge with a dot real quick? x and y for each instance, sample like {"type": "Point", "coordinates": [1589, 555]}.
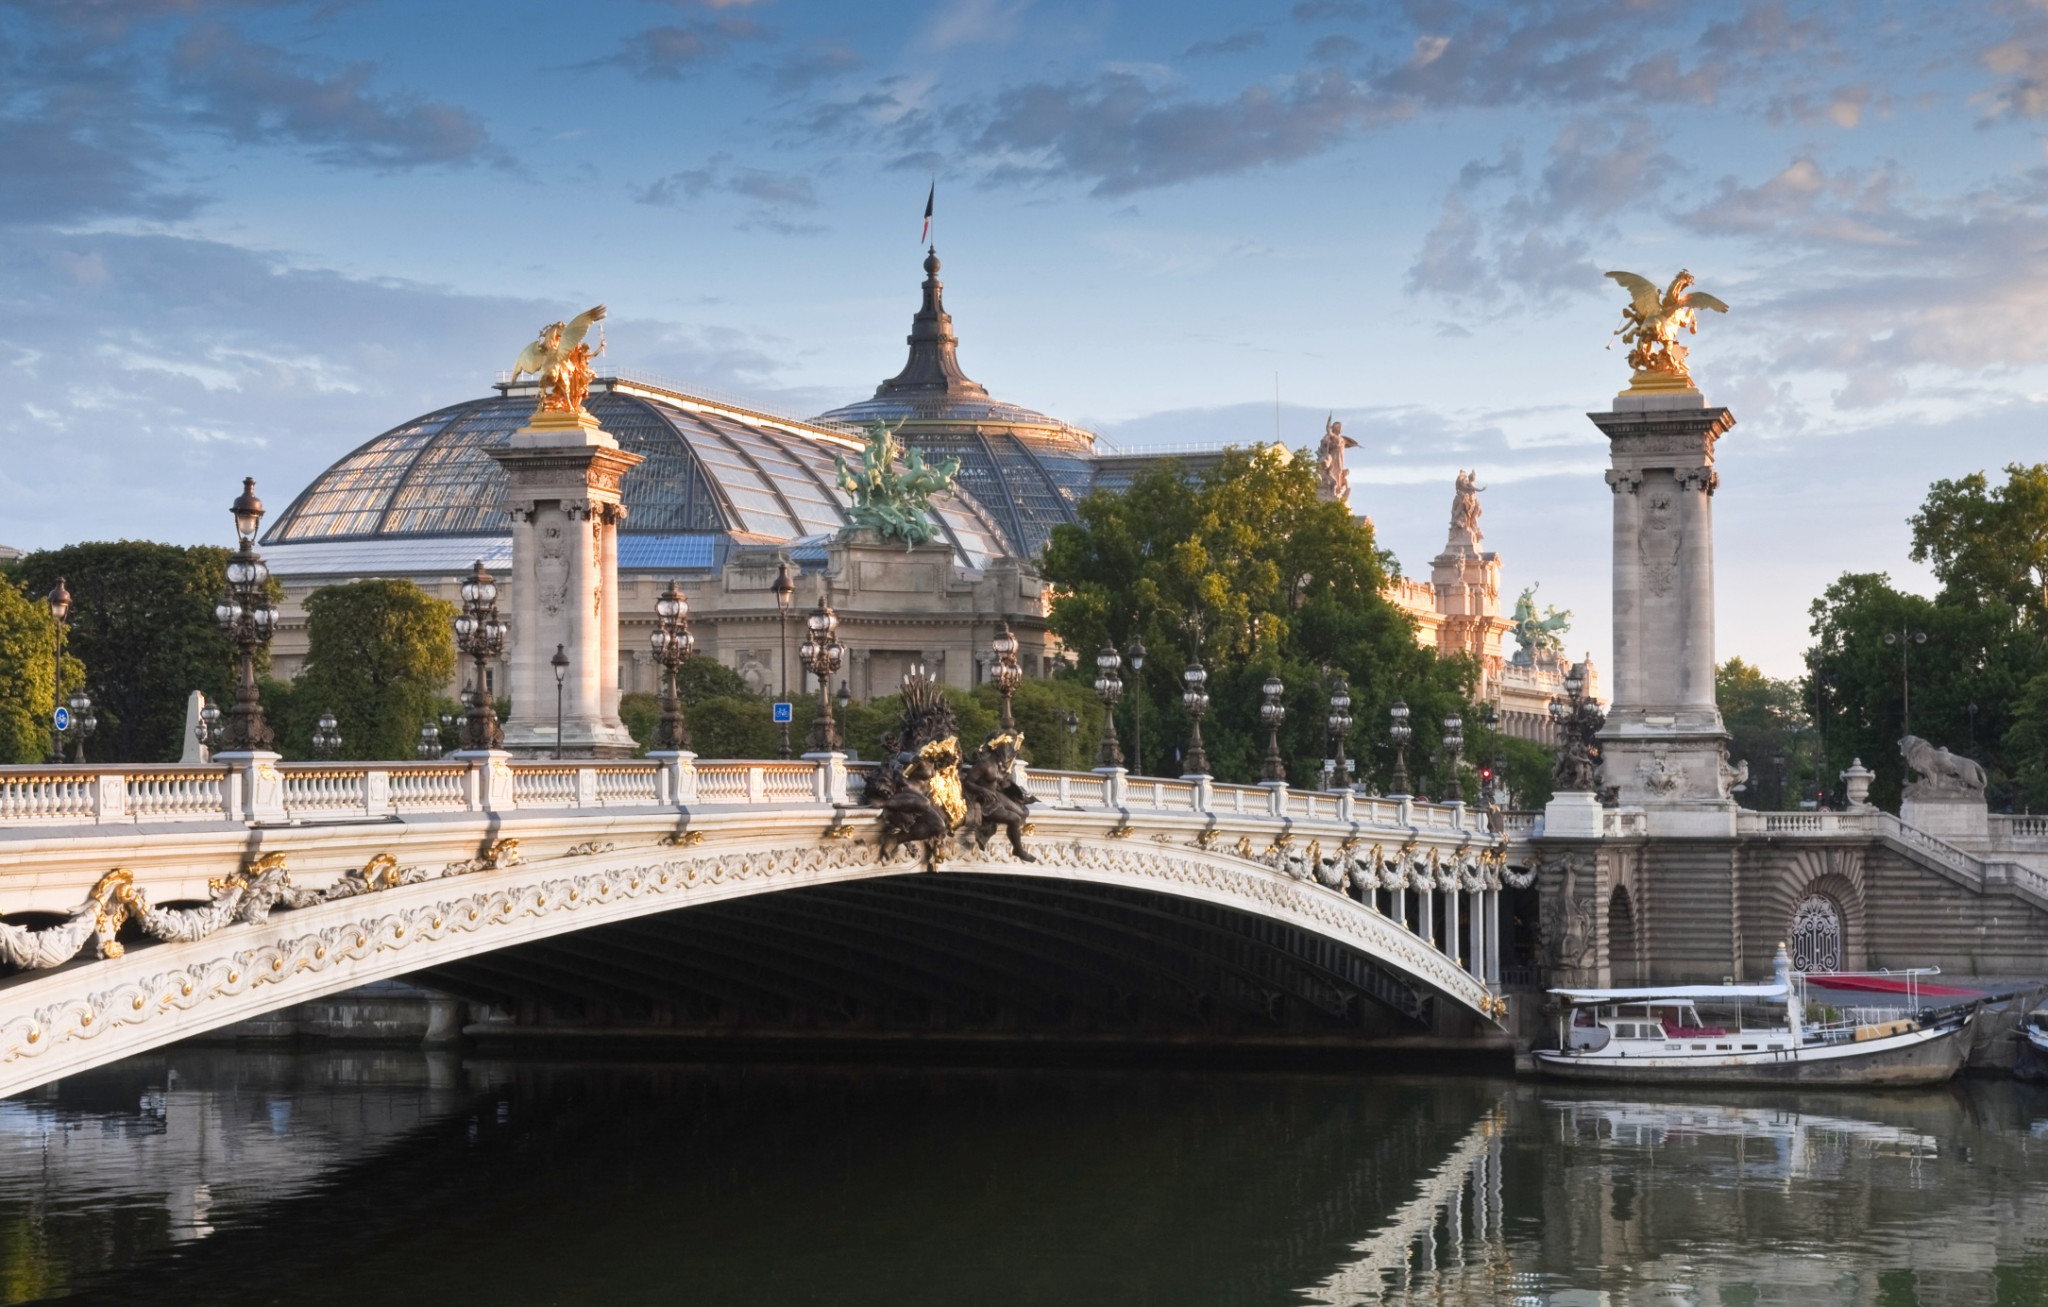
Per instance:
{"type": "Point", "coordinates": [599, 867]}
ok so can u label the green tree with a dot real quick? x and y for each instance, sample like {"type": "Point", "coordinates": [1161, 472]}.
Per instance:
{"type": "Point", "coordinates": [379, 657]}
{"type": "Point", "coordinates": [1857, 682]}
{"type": "Point", "coordinates": [142, 626]}
{"type": "Point", "coordinates": [1769, 729]}
{"type": "Point", "coordinates": [1988, 546]}
{"type": "Point", "coordinates": [726, 719]}
{"type": "Point", "coordinates": [28, 641]}
{"type": "Point", "coordinates": [1246, 567]}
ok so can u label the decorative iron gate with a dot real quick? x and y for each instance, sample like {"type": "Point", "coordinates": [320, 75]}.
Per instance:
{"type": "Point", "coordinates": [1817, 935]}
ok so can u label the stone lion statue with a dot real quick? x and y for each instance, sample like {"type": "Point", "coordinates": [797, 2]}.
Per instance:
{"type": "Point", "coordinates": [1942, 775]}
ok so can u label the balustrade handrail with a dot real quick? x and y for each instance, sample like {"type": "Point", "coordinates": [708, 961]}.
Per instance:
{"type": "Point", "coordinates": [273, 791]}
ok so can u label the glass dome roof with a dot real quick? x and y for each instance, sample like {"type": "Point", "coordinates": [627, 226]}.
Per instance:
{"type": "Point", "coordinates": [713, 475]}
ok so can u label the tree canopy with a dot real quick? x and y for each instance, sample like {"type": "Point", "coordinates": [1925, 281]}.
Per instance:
{"type": "Point", "coordinates": [379, 657]}
{"type": "Point", "coordinates": [1978, 682]}
{"type": "Point", "coordinates": [1247, 568]}
{"type": "Point", "coordinates": [28, 643]}
{"type": "Point", "coordinates": [142, 627]}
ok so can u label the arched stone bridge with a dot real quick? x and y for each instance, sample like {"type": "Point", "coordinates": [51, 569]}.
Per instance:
{"type": "Point", "coordinates": [693, 893]}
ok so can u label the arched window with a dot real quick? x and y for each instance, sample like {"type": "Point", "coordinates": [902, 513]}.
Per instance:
{"type": "Point", "coordinates": [1817, 934]}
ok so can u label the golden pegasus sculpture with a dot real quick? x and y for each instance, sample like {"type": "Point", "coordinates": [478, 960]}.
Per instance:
{"type": "Point", "coordinates": [561, 359]}
{"type": "Point", "coordinates": [1650, 326]}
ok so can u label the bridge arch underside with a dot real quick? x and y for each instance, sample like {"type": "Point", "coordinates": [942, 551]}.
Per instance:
{"type": "Point", "coordinates": [951, 956]}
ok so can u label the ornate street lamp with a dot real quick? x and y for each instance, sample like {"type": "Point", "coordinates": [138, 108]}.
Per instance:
{"type": "Point", "coordinates": [84, 721]}
{"type": "Point", "coordinates": [326, 736]}
{"type": "Point", "coordinates": [1005, 673]}
{"type": "Point", "coordinates": [560, 664]}
{"type": "Point", "coordinates": [249, 620]}
{"type": "Point", "coordinates": [1135, 656]}
{"type": "Point", "coordinates": [1272, 712]}
{"type": "Point", "coordinates": [1340, 729]}
{"type": "Point", "coordinates": [429, 747]}
{"type": "Point", "coordinates": [480, 634]}
{"type": "Point", "coordinates": [1578, 721]}
{"type": "Point", "coordinates": [1454, 745]}
{"type": "Point", "coordinates": [1107, 688]}
{"type": "Point", "coordinates": [60, 617]}
{"type": "Point", "coordinates": [1400, 732]}
{"type": "Point", "coordinates": [1073, 724]}
{"type": "Point", "coordinates": [822, 653]}
{"type": "Point", "coordinates": [785, 595]}
{"type": "Point", "coordinates": [844, 697]}
{"type": "Point", "coordinates": [1195, 698]}
{"type": "Point", "coordinates": [673, 644]}
{"type": "Point", "coordinates": [209, 730]}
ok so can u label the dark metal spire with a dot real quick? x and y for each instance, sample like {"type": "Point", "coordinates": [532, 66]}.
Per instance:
{"type": "Point", "coordinates": [932, 368]}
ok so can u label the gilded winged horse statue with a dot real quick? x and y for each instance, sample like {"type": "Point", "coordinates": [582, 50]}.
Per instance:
{"type": "Point", "coordinates": [1651, 323]}
{"type": "Point", "coordinates": [561, 359]}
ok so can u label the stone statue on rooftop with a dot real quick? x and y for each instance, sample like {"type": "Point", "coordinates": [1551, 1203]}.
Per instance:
{"type": "Point", "coordinates": [1333, 483]}
{"type": "Point", "coordinates": [896, 504]}
{"type": "Point", "coordinates": [1465, 508]}
{"type": "Point", "coordinates": [561, 359]}
{"type": "Point", "coordinates": [1650, 326]}
{"type": "Point", "coordinates": [1536, 634]}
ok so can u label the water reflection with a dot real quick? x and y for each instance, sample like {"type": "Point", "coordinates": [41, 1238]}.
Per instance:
{"type": "Point", "coordinates": [226, 1178]}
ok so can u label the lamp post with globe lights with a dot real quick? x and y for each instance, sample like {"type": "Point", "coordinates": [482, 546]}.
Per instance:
{"type": "Point", "coordinates": [785, 596]}
{"type": "Point", "coordinates": [60, 618]}
{"type": "Point", "coordinates": [1400, 732]}
{"type": "Point", "coordinates": [480, 635]}
{"type": "Point", "coordinates": [209, 730]}
{"type": "Point", "coordinates": [1134, 655]}
{"type": "Point", "coordinates": [84, 721]}
{"type": "Point", "coordinates": [1108, 688]}
{"type": "Point", "coordinates": [248, 618]}
{"type": "Point", "coordinates": [1578, 721]}
{"type": "Point", "coordinates": [326, 737]}
{"type": "Point", "coordinates": [429, 747]}
{"type": "Point", "coordinates": [1073, 725]}
{"type": "Point", "coordinates": [1005, 673]}
{"type": "Point", "coordinates": [1272, 712]}
{"type": "Point", "coordinates": [672, 645]}
{"type": "Point", "coordinates": [1340, 729]}
{"type": "Point", "coordinates": [822, 653]}
{"type": "Point", "coordinates": [1454, 749]}
{"type": "Point", "coordinates": [1195, 698]}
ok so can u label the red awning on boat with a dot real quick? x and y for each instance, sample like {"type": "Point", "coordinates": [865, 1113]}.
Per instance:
{"type": "Point", "coordinates": [1890, 985]}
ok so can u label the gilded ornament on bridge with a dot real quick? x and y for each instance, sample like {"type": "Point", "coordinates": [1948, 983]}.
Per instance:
{"type": "Point", "coordinates": [560, 357]}
{"type": "Point", "coordinates": [926, 794]}
{"type": "Point", "coordinates": [1650, 326]}
{"type": "Point", "coordinates": [896, 504]}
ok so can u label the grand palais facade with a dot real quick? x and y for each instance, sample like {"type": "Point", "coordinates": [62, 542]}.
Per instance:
{"type": "Point", "coordinates": [726, 496]}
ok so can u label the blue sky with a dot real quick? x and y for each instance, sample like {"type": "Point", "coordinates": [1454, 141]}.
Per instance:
{"type": "Point", "coordinates": [244, 237]}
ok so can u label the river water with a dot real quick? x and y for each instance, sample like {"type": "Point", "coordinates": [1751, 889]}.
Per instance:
{"type": "Point", "coordinates": [222, 1176]}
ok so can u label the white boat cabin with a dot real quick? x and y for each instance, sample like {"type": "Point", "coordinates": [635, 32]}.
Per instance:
{"type": "Point", "coordinates": [1672, 1026]}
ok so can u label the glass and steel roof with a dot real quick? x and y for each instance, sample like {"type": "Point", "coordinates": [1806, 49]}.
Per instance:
{"type": "Point", "coordinates": [711, 473]}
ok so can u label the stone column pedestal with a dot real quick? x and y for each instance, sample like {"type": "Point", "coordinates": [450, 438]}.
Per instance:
{"type": "Point", "coordinates": [1664, 748]}
{"type": "Point", "coordinates": [564, 504]}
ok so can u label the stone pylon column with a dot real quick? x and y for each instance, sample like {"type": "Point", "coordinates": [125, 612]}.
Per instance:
{"type": "Point", "coordinates": [1664, 747]}
{"type": "Point", "coordinates": [564, 504]}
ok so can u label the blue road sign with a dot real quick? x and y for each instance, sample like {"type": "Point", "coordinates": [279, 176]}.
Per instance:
{"type": "Point", "coordinates": [62, 717]}
{"type": "Point", "coordinates": [783, 713]}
